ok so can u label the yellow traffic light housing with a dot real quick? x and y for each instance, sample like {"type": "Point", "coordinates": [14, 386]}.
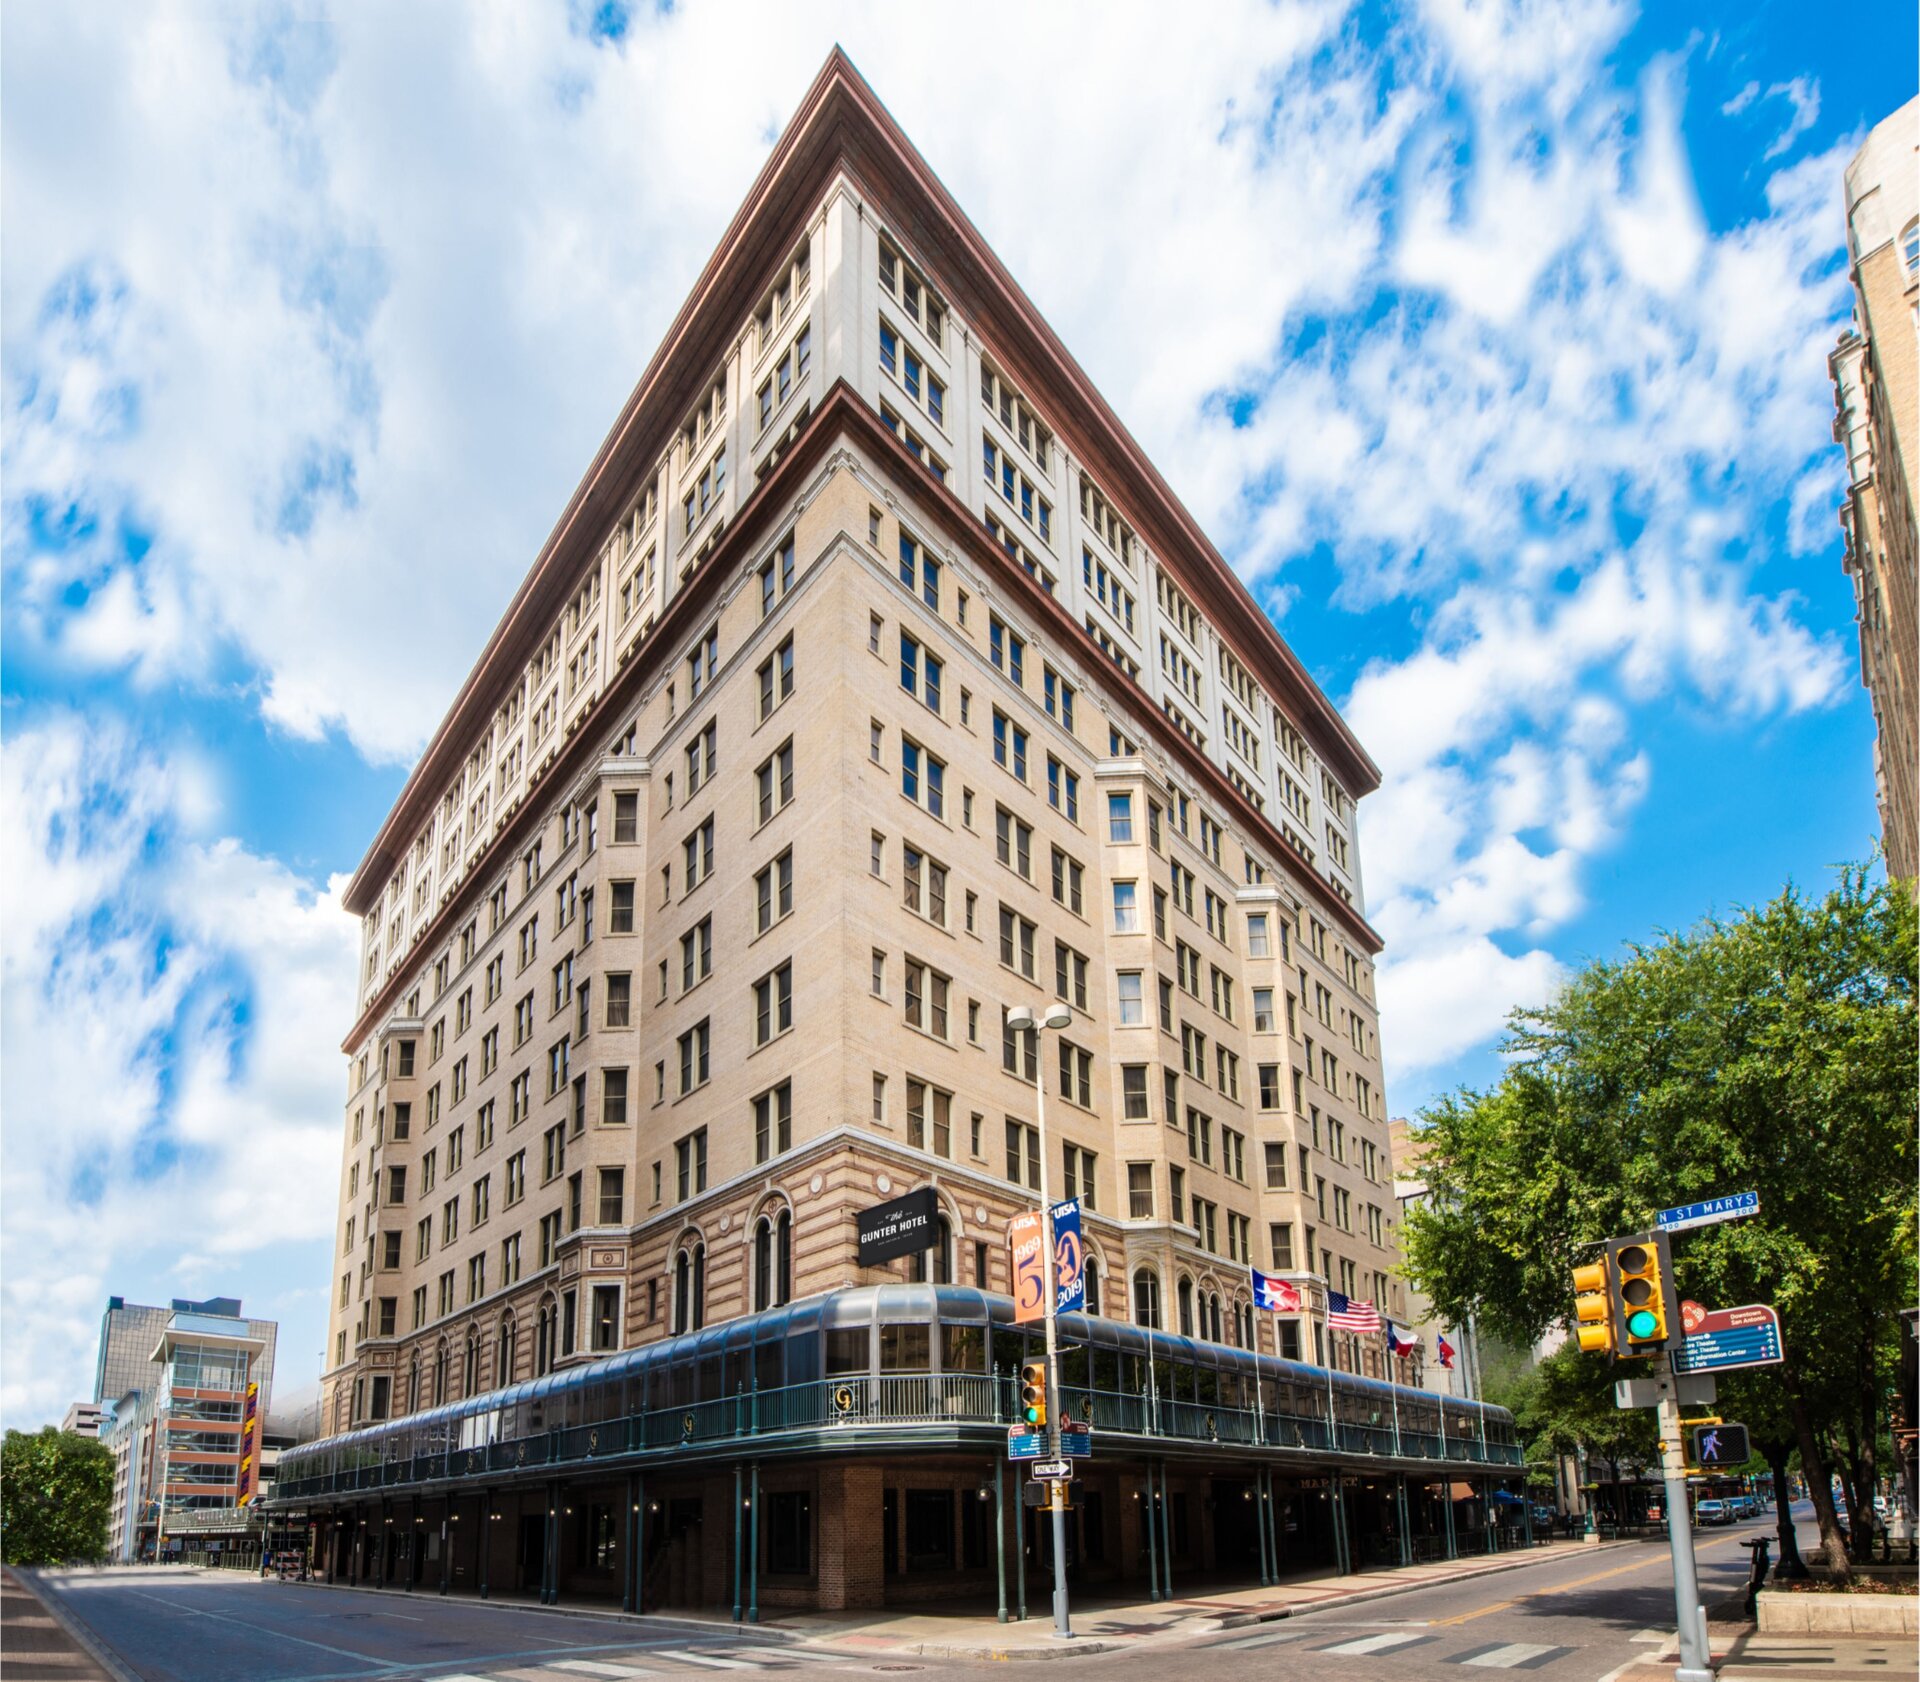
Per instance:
{"type": "Point", "coordinates": [1643, 1297]}
{"type": "Point", "coordinates": [1033, 1394]}
{"type": "Point", "coordinates": [1593, 1307]}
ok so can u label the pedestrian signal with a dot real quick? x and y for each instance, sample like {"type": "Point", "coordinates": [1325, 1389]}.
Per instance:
{"type": "Point", "coordinates": [1718, 1448]}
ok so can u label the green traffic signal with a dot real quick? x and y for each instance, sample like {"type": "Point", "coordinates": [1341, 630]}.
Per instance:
{"type": "Point", "coordinates": [1641, 1324]}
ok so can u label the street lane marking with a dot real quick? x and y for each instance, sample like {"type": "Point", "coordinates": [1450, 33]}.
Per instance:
{"type": "Point", "coordinates": [1376, 1644]}
{"type": "Point", "coordinates": [683, 1655]}
{"type": "Point", "coordinates": [1515, 1653]}
{"type": "Point", "coordinates": [1561, 1588]}
{"type": "Point", "coordinates": [595, 1667]}
{"type": "Point", "coordinates": [1267, 1638]}
{"type": "Point", "coordinates": [1656, 1636]}
{"type": "Point", "coordinates": [269, 1633]}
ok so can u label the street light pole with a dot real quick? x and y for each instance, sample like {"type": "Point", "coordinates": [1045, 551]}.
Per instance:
{"type": "Point", "coordinates": [1019, 1018]}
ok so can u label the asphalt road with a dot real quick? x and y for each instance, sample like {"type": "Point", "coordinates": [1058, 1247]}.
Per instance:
{"type": "Point", "coordinates": [1573, 1619]}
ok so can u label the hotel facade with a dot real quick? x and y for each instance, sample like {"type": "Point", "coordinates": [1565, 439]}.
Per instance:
{"type": "Point", "coordinates": [872, 683]}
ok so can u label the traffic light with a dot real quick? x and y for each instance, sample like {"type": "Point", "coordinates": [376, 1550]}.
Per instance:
{"type": "Point", "coordinates": [1033, 1393]}
{"type": "Point", "coordinates": [1643, 1296]}
{"type": "Point", "coordinates": [1718, 1448]}
{"type": "Point", "coordinates": [1593, 1307]}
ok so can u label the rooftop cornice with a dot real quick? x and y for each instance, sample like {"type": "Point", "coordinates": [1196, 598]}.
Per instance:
{"type": "Point", "coordinates": [841, 125]}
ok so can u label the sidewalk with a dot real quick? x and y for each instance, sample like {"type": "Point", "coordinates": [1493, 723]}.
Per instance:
{"type": "Point", "coordinates": [1741, 1653]}
{"type": "Point", "coordinates": [38, 1647]}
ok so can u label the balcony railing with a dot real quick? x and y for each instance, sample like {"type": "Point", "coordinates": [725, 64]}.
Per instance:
{"type": "Point", "coordinates": [868, 1406]}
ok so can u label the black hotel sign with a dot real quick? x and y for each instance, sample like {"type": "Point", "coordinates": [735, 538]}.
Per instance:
{"type": "Point", "coordinates": [903, 1227]}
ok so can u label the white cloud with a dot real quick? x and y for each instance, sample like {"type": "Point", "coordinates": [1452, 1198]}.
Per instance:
{"type": "Point", "coordinates": [1803, 94]}
{"type": "Point", "coordinates": [172, 1087]}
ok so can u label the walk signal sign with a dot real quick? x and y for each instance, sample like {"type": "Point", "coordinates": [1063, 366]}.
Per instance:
{"type": "Point", "coordinates": [1033, 1393]}
{"type": "Point", "coordinates": [1645, 1303]}
{"type": "Point", "coordinates": [1718, 1448]}
{"type": "Point", "coordinates": [1593, 1307]}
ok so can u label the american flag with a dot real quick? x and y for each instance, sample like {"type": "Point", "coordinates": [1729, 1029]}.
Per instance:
{"type": "Point", "coordinates": [1345, 1314]}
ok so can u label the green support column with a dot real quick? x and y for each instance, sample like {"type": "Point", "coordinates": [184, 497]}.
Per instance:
{"type": "Point", "coordinates": [553, 1544]}
{"type": "Point", "coordinates": [1260, 1521]}
{"type": "Point", "coordinates": [1406, 1526]}
{"type": "Point", "coordinates": [1491, 1541]}
{"type": "Point", "coordinates": [485, 1541]}
{"type": "Point", "coordinates": [1020, 1553]}
{"type": "Point", "coordinates": [736, 1541]}
{"type": "Point", "coordinates": [1273, 1523]}
{"type": "Point", "coordinates": [1453, 1536]}
{"type": "Point", "coordinates": [753, 1547]}
{"type": "Point", "coordinates": [1166, 1533]}
{"type": "Point", "coordinates": [1153, 1537]}
{"type": "Point", "coordinates": [446, 1548]}
{"type": "Point", "coordinates": [627, 1565]}
{"type": "Point", "coordinates": [640, 1542]}
{"type": "Point", "coordinates": [1342, 1543]}
{"type": "Point", "coordinates": [1526, 1515]}
{"type": "Point", "coordinates": [1000, 1533]}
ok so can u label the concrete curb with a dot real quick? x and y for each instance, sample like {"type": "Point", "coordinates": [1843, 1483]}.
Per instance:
{"type": "Point", "coordinates": [1075, 1649]}
{"type": "Point", "coordinates": [77, 1632]}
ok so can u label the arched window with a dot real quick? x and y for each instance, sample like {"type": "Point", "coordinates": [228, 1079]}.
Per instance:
{"type": "Point", "coordinates": [942, 1253]}
{"type": "Point", "coordinates": [1146, 1297]}
{"type": "Point", "coordinates": [413, 1383]}
{"type": "Point", "coordinates": [470, 1367]}
{"type": "Point", "coordinates": [440, 1373]}
{"type": "Point", "coordinates": [546, 1334]}
{"type": "Point", "coordinates": [1214, 1327]}
{"type": "Point", "coordinates": [690, 1289]}
{"type": "Point", "coordinates": [773, 1260]}
{"type": "Point", "coordinates": [1910, 248]}
{"type": "Point", "coordinates": [503, 1353]}
{"type": "Point", "coordinates": [1185, 1296]}
{"type": "Point", "coordinates": [1092, 1275]}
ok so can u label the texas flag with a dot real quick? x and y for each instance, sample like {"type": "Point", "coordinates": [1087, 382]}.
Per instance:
{"type": "Point", "coordinates": [1446, 1350]}
{"type": "Point", "coordinates": [1274, 1293]}
{"type": "Point", "coordinates": [1398, 1345]}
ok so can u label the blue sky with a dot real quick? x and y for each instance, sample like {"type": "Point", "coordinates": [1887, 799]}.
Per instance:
{"type": "Point", "coordinates": [1487, 339]}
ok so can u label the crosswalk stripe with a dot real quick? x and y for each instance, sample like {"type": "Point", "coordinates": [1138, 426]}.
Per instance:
{"type": "Point", "coordinates": [1374, 1644]}
{"type": "Point", "coordinates": [685, 1657]}
{"type": "Point", "coordinates": [1267, 1638]}
{"type": "Point", "coordinates": [1505, 1658]}
{"type": "Point", "coordinates": [597, 1667]}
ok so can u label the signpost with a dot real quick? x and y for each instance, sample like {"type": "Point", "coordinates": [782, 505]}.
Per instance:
{"type": "Point", "coordinates": [1737, 1207]}
{"type": "Point", "coordinates": [1730, 1337]}
{"type": "Point", "coordinates": [1052, 1471]}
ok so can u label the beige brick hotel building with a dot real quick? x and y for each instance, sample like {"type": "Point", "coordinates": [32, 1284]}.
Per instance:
{"type": "Point", "coordinates": [872, 682]}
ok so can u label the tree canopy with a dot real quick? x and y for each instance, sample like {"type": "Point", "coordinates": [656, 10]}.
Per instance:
{"type": "Point", "coordinates": [56, 1492]}
{"type": "Point", "coordinates": [1773, 1051]}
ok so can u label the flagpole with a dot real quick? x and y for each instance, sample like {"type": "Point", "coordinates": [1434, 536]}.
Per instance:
{"type": "Point", "coordinates": [1393, 1387]}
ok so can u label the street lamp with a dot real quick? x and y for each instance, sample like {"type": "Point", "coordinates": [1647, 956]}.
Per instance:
{"type": "Point", "coordinates": [1022, 1020]}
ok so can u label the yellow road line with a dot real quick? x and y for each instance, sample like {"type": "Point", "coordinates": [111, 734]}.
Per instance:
{"type": "Point", "coordinates": [1561, 1588]}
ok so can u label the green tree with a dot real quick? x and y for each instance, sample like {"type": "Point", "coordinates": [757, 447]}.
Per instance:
{"type": "Point", "coordinates": [1772, 1052]}
{"type": "Point", "coordinates": [56, 1491]}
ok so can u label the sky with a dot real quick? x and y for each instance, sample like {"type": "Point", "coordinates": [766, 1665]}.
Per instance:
{"type": "Point", "coordinates": [1486, 337]}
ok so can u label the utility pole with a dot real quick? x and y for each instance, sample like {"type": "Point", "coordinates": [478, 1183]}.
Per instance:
{"type": "Point", "coordinates": [1696, 1659]}
{"type": "Point", "coordinates": [1058, 1017]}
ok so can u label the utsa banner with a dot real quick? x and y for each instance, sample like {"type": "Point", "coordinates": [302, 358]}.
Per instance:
{"type": "Point", "coordinates": [1028, 1245]}
{"type": "Point", "coordinates": [1069, 1259]}
{"type": "Point", "coordinates": [1274, 1293]}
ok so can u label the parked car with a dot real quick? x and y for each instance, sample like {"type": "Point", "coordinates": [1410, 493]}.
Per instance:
{"type": "Point", "coordinates": [1712, 1511]}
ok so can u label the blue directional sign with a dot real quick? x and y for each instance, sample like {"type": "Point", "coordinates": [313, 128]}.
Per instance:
{"type": "Point", "coordinates": [1026, 1445]}
{"type": "Point", "coordinates": [1077, 1445]}
{"type": "Point", "coordinates": [1733, 1208]}
{"type": "Point", "coordinates": [1731, 1337]}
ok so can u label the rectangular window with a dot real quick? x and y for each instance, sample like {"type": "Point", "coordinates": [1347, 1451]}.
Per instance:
{"type": "Point", "coordinates": [1126, 908]}
{"type": "Point", "coordinates": [926, 998]}
{"type": "Point", "coordinates": [690, 1164]}
{"type": "Point", "coordinates": [1063, 790]}
{"type": "Point", "coordinates": [773, 892]}
{"type": "Point", "coordinates": [921, 672]}
{"type": "Point", "coordinates": [1140, 1191]}
{"type": "Point", "coordinates": [1013, 842]}
{"type": "Point", "coordinates": [773, 1122]}
{"type": "Point", "coordinates": [773, 1004]}
{"type": "Point", "coordinates": [1133, 1086]}
{"type": "Point", "coordinates": [1133, 1009]}
{"type": "Point", "coordinates": [695, 1048]}
{"type": "Point", "coordinates": [1007, 649]}
{"type": "Point", "coordinates": [1009, 745]}
{"type": "Point", "coordinates": [1120, 818]}
{"type": "Point", "coordinates": [1023, 1154]}
{"type": "Point", "coordinates": [923, 778]}
{"type": "Point", "coordinates": [620, 908]}
{"type": "Point", "coordinates": [1058, 694]}
{"type": "Point", "coordinates": [1067, 881]}
{"type": "Point", "coordinates": [773, 782]}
